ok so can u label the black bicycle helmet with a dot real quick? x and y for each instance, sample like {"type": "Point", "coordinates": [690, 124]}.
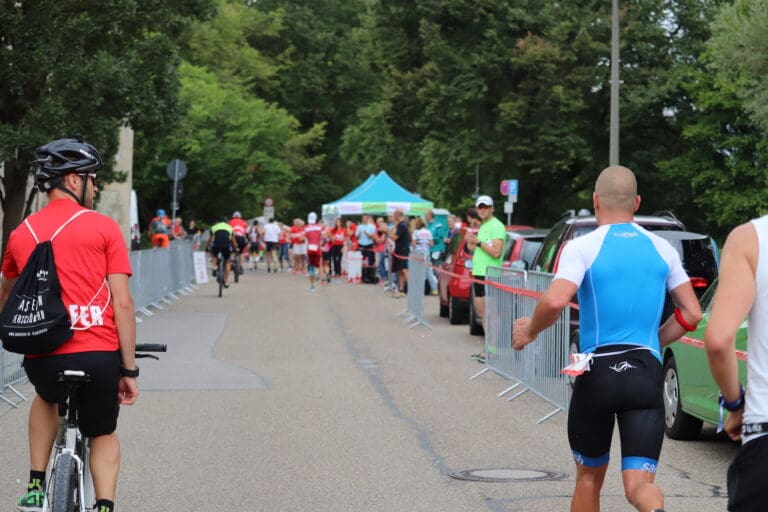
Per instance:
{"type": "Point", "coordinates": [64, 156]}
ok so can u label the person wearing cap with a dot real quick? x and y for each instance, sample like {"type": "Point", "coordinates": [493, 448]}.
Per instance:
{"type": "Point", "coordinates": [487, 246]}
{"type": "Point", "coordinates": [159, 228]}
{"type": "Point", "coordinates": [240, 232]}
{"type": "Point", "coordinates": [313, 234]}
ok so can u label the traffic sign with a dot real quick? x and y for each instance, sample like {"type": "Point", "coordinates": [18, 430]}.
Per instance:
{"type": "Point", "coordinates": [268, 201]}
{"type": "Point", "coordinates": [176, 169]}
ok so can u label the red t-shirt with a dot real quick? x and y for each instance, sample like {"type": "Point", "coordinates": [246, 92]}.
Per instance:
{"type": "Point", "coordinates": [297, 235]}
{"type": "Point", "coordinates": [338, 235]}
{"type": "Point", "coordinates": [239, 227]}
{"type": "Point", "coordinates": [86, 251]}
{"type": "Point", "coordinates": [313, 233]}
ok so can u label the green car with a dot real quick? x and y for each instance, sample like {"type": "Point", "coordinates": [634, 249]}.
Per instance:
{"type": "Point", "coordinates": [690, 392]}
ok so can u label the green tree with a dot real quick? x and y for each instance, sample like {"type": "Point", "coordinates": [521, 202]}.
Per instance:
{"type": "Point", "coordinates": [84, 66]}
{"type": "Point", "coordinates": [238, 149]}
{"type": "Point", "coordinates": [739, 50]}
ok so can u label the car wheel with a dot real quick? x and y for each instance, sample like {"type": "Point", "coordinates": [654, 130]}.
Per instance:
{"type": "Point", "coordinates": [443, 309]}
{"type": "Point", "coordinates": [475, 325]}
{"type": "Point", "coordinates": [457, 311]}
{"type": "Point", "coordinates": [677, 423]}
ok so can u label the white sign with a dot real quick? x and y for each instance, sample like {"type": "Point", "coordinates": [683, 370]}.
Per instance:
{"type": "Point", "coordinates": [269, 212]}
{"type": "Point", "coordinates": [508, 205]}
{"type": "Point", "coordinates": [200, 262]}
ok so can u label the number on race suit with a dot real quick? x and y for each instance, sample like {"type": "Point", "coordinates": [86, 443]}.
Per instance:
{"type": "Point", "coordinates": [580, 363]}
{"type": "Point", "coordinates": [313, 248]}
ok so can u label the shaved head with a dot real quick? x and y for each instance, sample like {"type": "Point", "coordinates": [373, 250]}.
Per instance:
{"type": "Point", "coordinates": [617, 188]}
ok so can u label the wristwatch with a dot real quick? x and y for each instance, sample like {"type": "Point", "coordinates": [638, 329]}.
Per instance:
{"type": "Point", "coordinates": [125, 372]}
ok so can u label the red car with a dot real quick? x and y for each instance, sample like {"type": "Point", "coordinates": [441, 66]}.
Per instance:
{"type": "Point", "coordinates": [453, 280]}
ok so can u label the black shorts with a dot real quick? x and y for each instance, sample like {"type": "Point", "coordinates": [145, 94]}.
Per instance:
{"type": "Point", "coordinates": [747, 491]}
{"type": "Point", "coordinates": [226, 252]}
{"type": "Point", "coordinates": [478, 288]}
{"type": "Point", "coordinates": [271, 246]}
{"type": "Point", "coordinates": [97, 404]}
{"type": "Point", "coordinates": [399, 262]}
{"type": "Point", "coordinates": [627, 387]}
{"type": "Point", "coordinates": [241, 242]}
{"type": "Point", "coordinates": [326, 256]}
{"type": "Point", "coordinates": [254, 247]}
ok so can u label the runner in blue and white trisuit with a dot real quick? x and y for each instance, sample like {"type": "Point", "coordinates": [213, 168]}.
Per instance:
{"type": "Point", "coordinates": [622, 273]}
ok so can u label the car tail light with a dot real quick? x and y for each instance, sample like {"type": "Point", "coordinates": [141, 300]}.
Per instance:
{"type": "Point", "coordinates": [699, 282]}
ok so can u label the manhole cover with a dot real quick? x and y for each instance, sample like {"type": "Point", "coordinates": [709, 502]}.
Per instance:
{"type": "Point", "coordinates": [506, 475]}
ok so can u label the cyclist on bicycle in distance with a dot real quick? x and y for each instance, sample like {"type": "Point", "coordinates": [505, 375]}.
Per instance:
{"type": "Point", "coordinates": [222, 241]}
{"type": "Point", "coordinates": [239, 230]}
{"type": "Point", "coordinates": [93, 267]}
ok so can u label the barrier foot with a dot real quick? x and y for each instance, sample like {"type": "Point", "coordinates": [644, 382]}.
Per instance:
{"type": "Point", "coordinates": [9, 402]}
{"type": "Point", "coordinates": [403, 312]}
{"type": "Point", "coordinates": [409, 319]}
{"type": "Point", "coordinates": [18, 393]}
{"type": "Point", "coordinates": [479, 373]}
{"type": "Point", "coordinates": [510, 388]}
{"type": "Point", "coordinates": [545, 418]}
{"type": "Point", "coordinates": [146, 311]}
{"type": "Point", "coordinates": [516, 395]}
{"type": "Point", "coordinates": [420, 322]}
{"type": "Point", "coordinates": [173, 296]}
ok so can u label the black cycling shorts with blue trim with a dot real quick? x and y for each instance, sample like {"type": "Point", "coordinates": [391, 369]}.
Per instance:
{"type": "Point", "coordinates": [626, 388]}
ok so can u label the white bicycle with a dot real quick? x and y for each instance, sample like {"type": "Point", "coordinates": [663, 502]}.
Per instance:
{"type": "Point", "coordinates": [70, 487]}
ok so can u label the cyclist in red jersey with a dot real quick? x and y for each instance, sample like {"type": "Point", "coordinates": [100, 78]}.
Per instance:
{"type": "Point", "coordinates": [240, 232]}
{"type": "Point", "coordinates": [93, 267]}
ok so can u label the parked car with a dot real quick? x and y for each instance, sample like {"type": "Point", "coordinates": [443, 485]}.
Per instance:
{"type": "Point", "coordinates": [690, 392]}
{"type": "Point", "coordinates": [454, 278]}
{"type": "Point", "coordinates": [698, 253]}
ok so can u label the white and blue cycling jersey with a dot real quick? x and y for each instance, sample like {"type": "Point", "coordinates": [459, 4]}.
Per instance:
{"type": "Point", "coordinates": [623, 272]}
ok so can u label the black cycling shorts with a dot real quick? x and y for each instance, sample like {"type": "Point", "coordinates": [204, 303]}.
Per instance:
{"type": "Point", "coordinates": [747, 491]}
{"type": "Point", "coordinates": [97, 403]}
{"type": "Point", "coordinates": [627, 387]}
{"type": "Point", "coordinates": [478, 288]}
{"type": "Point", "coordinates": [226, 252]}
{"type": "Point", "coordinates": [399, 262]}
{"type": "Point", "coordinates": [241, 242]}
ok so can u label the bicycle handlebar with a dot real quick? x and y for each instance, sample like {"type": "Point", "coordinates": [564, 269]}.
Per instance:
{"type": "Point", "coordinates": [151, 347]}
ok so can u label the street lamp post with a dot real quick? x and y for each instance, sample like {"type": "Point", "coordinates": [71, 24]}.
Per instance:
{"type": "Point", "coordinates": [613, 152]}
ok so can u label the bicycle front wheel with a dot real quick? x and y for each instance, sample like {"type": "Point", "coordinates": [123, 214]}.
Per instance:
{"type": "Point", "coordinates": [64, 484]}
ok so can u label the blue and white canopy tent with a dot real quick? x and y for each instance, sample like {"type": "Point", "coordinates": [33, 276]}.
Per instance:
{"type": "Point", "coordinates": [379, 194]}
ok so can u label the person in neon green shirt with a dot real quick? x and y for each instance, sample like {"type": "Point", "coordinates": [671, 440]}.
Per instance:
{"type": "Point", "coordinates": [488, 247]}
{"type": "Point", "coordinates": [222, 241]}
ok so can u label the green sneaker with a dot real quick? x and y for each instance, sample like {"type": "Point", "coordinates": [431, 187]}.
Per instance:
{"type": "Point", "coordinates": [33, 501]}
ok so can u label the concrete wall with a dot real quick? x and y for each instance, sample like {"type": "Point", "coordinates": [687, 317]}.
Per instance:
{"type": "Point", "coordinates": [115, 198]}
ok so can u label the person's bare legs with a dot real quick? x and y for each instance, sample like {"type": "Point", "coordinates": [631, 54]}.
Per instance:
{"type": "Point", "coordinates": [589, 482]}
{"type": "Point", "coordinates": [479, 304]}
{"type": "Point", "coordinates": [640, 490]}
{"type": "Point", "coordinates": [105, 465]}
{"type": "Point", "coordinates": [43, 424]}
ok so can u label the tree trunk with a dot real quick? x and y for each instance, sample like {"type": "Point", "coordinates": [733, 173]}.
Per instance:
{"type": "Point", "coordinates": [15, 188]}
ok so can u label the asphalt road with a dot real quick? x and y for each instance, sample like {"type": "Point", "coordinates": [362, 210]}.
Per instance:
{"type": "Point", "coordinates": [276, 399]}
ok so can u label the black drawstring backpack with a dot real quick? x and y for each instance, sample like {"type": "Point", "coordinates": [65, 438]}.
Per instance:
{"type": "Point", "coordinates": [35, 319]}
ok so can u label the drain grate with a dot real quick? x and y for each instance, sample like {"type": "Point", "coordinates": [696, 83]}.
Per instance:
{"type": "Point", "coordinates": [506, 475]}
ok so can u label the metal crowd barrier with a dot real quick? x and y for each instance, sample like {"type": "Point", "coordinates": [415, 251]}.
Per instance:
{"type": "Point", "coordinates": [417, 264]}
{"type": "Point", "coordinates": [163, 273]}
{"type": "Point", "coordinates": [158, 274]}
{"type": "Point", "coordinates": [537, 367]}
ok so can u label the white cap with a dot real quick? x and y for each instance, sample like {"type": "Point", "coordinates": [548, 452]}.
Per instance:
{"type": "Point", "coordinates": [236, 215]}
{"type": "Point", "coordinates": [312, 217]}
{"type": "Point", "coordinates": [486, 200]}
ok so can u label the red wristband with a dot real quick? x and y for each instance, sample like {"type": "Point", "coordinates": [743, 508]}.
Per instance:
{"type": "Point", "coordinates": [685, 325]}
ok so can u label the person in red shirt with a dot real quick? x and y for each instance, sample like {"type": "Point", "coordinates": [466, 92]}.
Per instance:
{"type": "Point", "coordinates": [338, 239]}
{"type": "Point", "coordinates": [240, 232]}
{"type": "Point", "coordinates": [93, 267]}
{"type": "Point", "coordinates": [299, 246]}
{"type": "Point", "coordinates": [313, 233]}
